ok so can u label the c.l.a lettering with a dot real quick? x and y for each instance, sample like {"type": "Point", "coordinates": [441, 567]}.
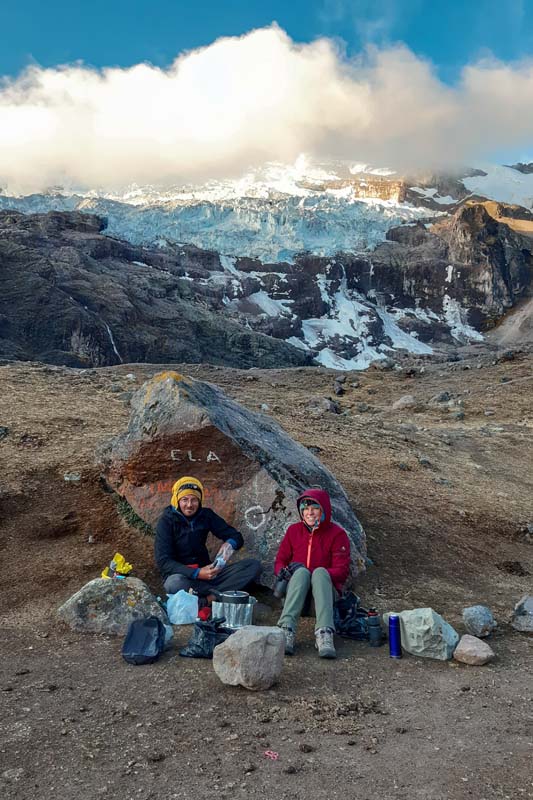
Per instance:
{"type": "Point", "coordinates": [187, 455]}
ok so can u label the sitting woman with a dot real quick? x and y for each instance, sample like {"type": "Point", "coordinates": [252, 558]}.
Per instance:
{"type": "Point", "coordinates": [315, 553]}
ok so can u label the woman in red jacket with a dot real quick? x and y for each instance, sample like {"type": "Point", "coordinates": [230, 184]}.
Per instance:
{"type": "Point", "coordinates": [317, 552]}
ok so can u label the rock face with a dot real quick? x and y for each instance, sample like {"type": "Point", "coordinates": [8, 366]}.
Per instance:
{"type": "Point", "coordinates": [523, 615]}
{"type": "Point", "coordinates": [108, 301]}
{"type": "Point", "coordinates": [472, 650]}
{"type": "Point", "coordinates": [425, 633]}
{"type": "Point", "coordinates": [72, 296]}
{"type": "Point", "coordinates": [479, 621]}
{"type": "Point", "coordinates": [107, 605]}
{"type": "Point", "coordinates": [251, 657]}
{"type": "Point", "coordinates": [251, 469]}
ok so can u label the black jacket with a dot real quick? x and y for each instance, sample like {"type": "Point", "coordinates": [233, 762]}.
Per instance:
{"type": "Point", "coordinates": [180, 541]}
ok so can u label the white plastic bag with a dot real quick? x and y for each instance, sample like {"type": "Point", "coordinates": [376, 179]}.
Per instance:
{"type": "Point", "coordinates": [182, 608]}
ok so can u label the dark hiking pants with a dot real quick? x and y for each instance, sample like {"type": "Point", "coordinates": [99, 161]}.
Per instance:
{"type": "Point", "coordinates": [234, 576]}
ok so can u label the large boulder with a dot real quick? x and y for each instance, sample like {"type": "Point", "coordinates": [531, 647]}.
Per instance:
{"type": "Point", "coordinates": [108, 605]}
{"type": "Point", "coordinates": [251, 657]}
{"type": "Point", "coordinates": [425, 633]}
{"type": "Point", "coordinates": [251, 469]}
{"type": "Point", "coordinates": [522, 619]}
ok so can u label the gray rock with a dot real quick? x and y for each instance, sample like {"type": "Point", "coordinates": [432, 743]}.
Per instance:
{"type": "Point", "coordinates": [425, 633]}
{"type": "Point", "coordinates": [479, 621]}
{"type": "Point", "coordinates": [3, 432]}
{"type": "Point", "coordinates": [108, 605]}
{"type": "Point", "coordinates": [253, 471]}
{"type": "Point", "coordinates": [321, 405]}
{"type": "Point", "coordinates": [406, 401]}
{"type": "Point", "coordinates": [473, 651]}
{"type": "Point", "coordinates": [441, 397]}
{"type": "Point", "coordinates": [251, 657]}
{"type": "Point", "coordinates": [522, 619]}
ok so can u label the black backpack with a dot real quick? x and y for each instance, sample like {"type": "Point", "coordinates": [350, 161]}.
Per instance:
{"type": "Point", "coordinates": [350, 619]}
{"type": "Point", "coordinates": [144, 642]}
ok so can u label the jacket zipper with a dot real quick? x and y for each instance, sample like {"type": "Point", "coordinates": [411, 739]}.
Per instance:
{"type": "Point", "coordinates": [309, 546]}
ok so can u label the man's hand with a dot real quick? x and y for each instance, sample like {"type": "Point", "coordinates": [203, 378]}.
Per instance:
{"type": "Point", "coordinates": [208, 573]}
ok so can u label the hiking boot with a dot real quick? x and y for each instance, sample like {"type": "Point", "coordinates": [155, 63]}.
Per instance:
{"type": "Point", "coordinates": [324, 643]}
{"type": "Point", "coordinates": [290, 643]}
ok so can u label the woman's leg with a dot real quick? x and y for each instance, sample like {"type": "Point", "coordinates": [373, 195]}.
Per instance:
{"type": "Point", "coordinates": [295, 598]}
{"type": "Point", "coordinates": [324, 596]}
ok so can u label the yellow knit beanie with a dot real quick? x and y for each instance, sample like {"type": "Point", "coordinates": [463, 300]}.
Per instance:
{"type": "Point", "coordinates": [185, 486]}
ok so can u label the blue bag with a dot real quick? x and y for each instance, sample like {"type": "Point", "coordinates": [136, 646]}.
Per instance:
{"type": "Point", "coordinates": [144, 642]}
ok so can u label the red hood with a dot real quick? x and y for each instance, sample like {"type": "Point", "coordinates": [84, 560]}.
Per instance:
{"type": "Point", "coordinates": [322, 498]}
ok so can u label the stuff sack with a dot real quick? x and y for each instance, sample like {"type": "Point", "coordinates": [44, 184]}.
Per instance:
{"type": "Point", "coordinates": [144, 642]}
{"type": "Point", "coordinates": [182, 608]}
{"type": "Point", "coordinates": [350, 619]}
{"type": "Point", "coordinates": [205, 637]}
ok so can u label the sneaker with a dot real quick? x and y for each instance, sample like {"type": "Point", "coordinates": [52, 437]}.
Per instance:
{"type": "Point", "coordinates": [290, 642]}
{"type": "Point", "coordinates": [324, 643]}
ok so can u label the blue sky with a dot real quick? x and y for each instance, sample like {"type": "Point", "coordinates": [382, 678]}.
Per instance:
{"type": "Point", "coordinates": [100, 33]}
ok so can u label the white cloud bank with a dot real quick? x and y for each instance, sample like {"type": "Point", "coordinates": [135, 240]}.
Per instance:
{"type": "Point", "coordinates": [243, 101]}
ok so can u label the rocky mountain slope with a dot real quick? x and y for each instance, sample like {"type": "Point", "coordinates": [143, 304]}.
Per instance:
{"type": "Point", "coordinates": [72, 295]}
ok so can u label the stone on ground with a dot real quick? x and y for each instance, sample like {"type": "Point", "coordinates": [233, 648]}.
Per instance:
{"type": "Point", "coordinates": [108, 605]}
{"type": "Point", "coordinates": [522, 619]}
{"type": "Point", "coordinates": [425, 633]}
{"type": "Point", "coordinates": [406, 401]}
{"type": "Point", "coordinates": [479, 621]}
{"type": "Point", "coordinates": [473, 651]}
{"type": "Point", "coordinates": [252, 470]}
{"type": "Point", "coordinates": [251, 657]}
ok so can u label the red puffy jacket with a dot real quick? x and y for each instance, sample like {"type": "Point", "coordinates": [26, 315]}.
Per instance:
{"type": "Point", "coordinates": [327, 546]}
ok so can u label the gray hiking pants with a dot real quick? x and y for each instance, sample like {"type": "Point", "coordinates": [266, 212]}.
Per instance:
{"type": "Point", "coordinates": [323, 592]}
{"type": "Point", "coordinates": [233, 576]}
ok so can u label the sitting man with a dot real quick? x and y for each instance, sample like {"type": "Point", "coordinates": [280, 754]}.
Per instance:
{"type": "Point", "coordinates": [180, 546]}
{"type": "Point", "coordinates": [315, 555]}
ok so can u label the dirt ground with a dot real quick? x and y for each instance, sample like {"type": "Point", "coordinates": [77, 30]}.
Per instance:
{"type": "Point", "coordinates": [444, 490]}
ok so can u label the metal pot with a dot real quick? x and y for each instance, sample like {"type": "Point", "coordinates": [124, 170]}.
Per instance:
{"type": "Point", "coordinates": [236, 607]}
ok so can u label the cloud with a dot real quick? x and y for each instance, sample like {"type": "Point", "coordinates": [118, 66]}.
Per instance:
{"type": "Point", "coordinates": [243, 101]}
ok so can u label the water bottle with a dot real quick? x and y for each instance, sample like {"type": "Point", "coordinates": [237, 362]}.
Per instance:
{"type": "Point", "coordinates": [375, 632]}
{"type": "Point", "coordinates": [395, 638]}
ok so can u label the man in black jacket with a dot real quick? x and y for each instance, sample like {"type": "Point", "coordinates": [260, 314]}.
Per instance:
{"type": "Point", "coordinates": [180, 546]}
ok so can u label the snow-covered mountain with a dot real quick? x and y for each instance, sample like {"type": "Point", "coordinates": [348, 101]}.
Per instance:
{"type": "Point", "coordinates": [268, 226]}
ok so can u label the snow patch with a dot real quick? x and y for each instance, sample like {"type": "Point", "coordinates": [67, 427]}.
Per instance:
{"type": "Point", "coordinates": [456, 317]}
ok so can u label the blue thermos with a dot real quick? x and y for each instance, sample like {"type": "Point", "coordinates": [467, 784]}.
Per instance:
{"type": "Point", "coordinates": [395, 637]}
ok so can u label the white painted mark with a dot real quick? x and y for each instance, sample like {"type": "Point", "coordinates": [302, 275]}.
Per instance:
{"type": "Point", "coordinates": [252, 514]}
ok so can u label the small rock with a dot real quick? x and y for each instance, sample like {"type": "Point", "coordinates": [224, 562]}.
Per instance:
{"type": "Point", "coordinates": [306, 748]}
{"type": "Point", "coordinates": [473, 651]}
{"type": "Point", "coordinates": [130, 377]}
{"type": "Point", "coordinates": [248, 767]}
{"type": "Point", "coordinates": [108, 606]}
{"type": "Point", "coordinates": [355, 384]}
{"type": "Point", "coordinates": [406, 401]}
{"type": "Point", "coordinates": [3, 432]}
{"type": "Point", "coordinates": [125, 396]}
{"type": "Point", "coordinates": [522, 619]}
{"type": "Point", "coordinates": [478, 621]}
{"type": "Point", "coordinates": [338, 390]}
{"type": "Point", "coordinates": [441, 397]}
{"type": "Point", "coordinates": [72, 477]}
{"type": "Point", "coordinates": [340, 379]}
{"type": "Point", "coordinates": [489, 412]}
{"type": "Point", "coordinates": [264, 407]}
{"type": "Point", "coordinates": [251, 657]}
{"type": "Point", "coordinates": [116, 388]}
{"type": "Point", "coordinates": [425, 462]}
{"type": "Point", "coordinates": [404, 467]}
{"type": "Point", "coordinates": [362, 408]}
{"type": "Point", "coordinates": [13, 774]}
{"type": "Point", "coordinates": [290, 770]}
